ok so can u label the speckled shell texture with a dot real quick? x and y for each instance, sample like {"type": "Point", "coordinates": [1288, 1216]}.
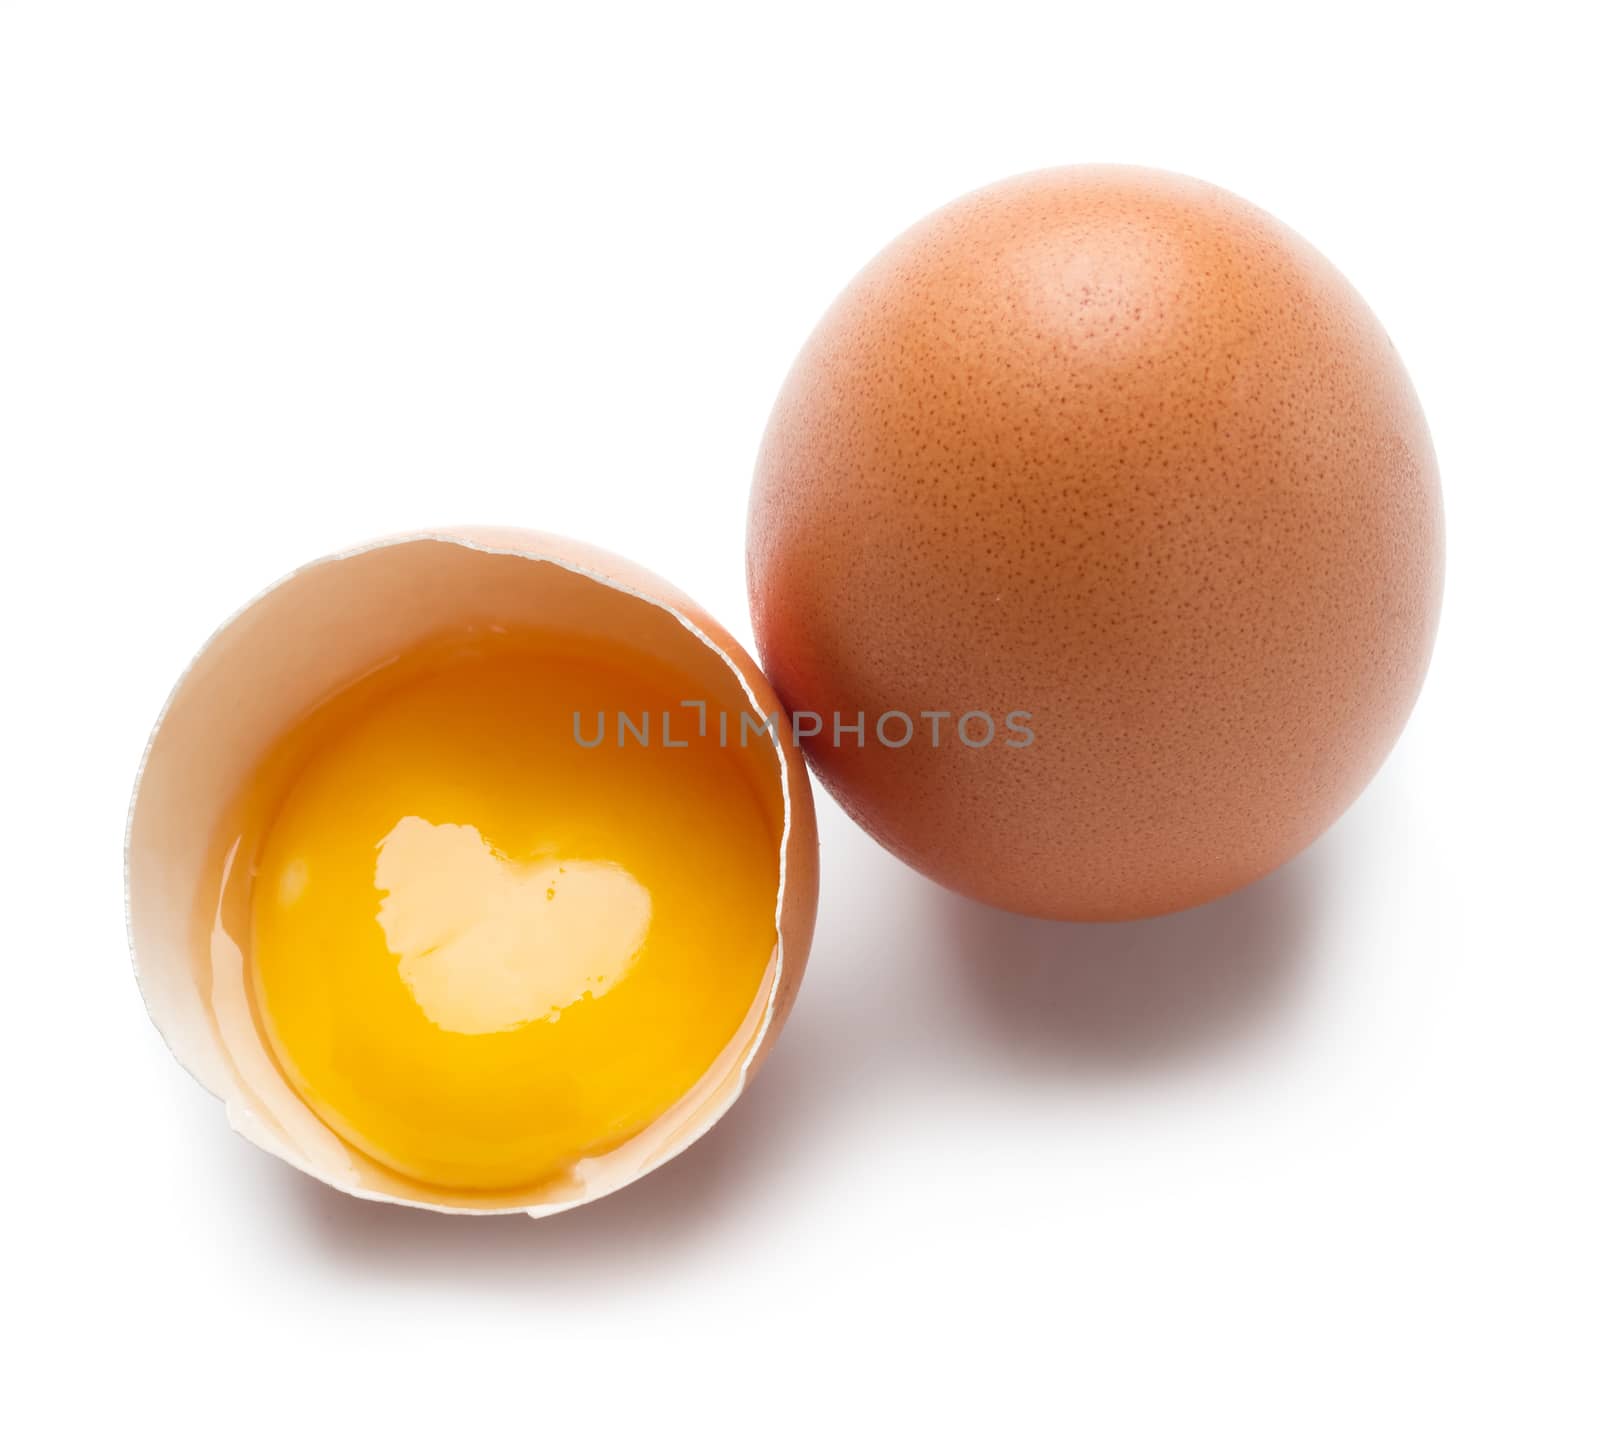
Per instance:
{"type": "Point", "coordinates": [1113, 447]}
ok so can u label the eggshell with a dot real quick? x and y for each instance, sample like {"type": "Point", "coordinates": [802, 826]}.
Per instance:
{"type": "Point", "coordinates": [1114, 448]}
{"type": "Point", "coordinates": [309, 635]}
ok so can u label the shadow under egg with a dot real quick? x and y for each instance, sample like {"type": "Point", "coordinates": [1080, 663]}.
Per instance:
{"type": "Point", "coordinates": [651, 1227]}
{"type": "Point", "coordinates": [1110, 999]}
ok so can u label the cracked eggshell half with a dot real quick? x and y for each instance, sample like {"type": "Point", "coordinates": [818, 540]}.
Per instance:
{"type": "Point", "coordinates": [301, 642]}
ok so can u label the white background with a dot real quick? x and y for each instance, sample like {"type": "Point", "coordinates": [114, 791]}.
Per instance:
{"type": "Point", "coordinates": [1313, 1165]}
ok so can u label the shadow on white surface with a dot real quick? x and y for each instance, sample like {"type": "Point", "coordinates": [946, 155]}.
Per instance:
{"type": "Point", "coordinates": [1073, 1000]}
{"type": "Point", "coordinates": [655, 1221]}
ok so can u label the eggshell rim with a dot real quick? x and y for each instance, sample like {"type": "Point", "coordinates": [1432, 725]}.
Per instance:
{"type": "Point", "coordinates": [790, 767]}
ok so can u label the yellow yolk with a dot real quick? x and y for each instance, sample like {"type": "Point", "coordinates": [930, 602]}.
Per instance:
{"type": "Point", "coordinates": [482, 952]}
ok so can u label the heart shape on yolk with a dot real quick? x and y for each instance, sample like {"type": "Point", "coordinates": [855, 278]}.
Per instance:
{"type": "Point", "coordinates": [487, 944]}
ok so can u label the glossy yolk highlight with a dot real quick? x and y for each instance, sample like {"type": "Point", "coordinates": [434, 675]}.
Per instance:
{"type": "Point", "coordinates": [482, 953]}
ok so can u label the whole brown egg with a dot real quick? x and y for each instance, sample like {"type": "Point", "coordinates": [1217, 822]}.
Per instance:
{"type": "Point", "coordinates": [1096, 544]}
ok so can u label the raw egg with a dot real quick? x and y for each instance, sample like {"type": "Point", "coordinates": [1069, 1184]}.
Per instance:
{"type": "Point", "coordinates": [1096, 544]}
{"type": "Point", "coordinates": [448, 873]}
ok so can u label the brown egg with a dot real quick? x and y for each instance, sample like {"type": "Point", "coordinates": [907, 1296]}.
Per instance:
{"type": "Point", "coordinates": [1114, 454]}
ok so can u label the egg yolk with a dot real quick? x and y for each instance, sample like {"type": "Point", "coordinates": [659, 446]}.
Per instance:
{"type": "Point", "coordinates": [481, 951]}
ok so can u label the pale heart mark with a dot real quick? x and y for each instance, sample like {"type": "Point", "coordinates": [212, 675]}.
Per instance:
{"type": "Point", "coordinates": [487, 944]}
